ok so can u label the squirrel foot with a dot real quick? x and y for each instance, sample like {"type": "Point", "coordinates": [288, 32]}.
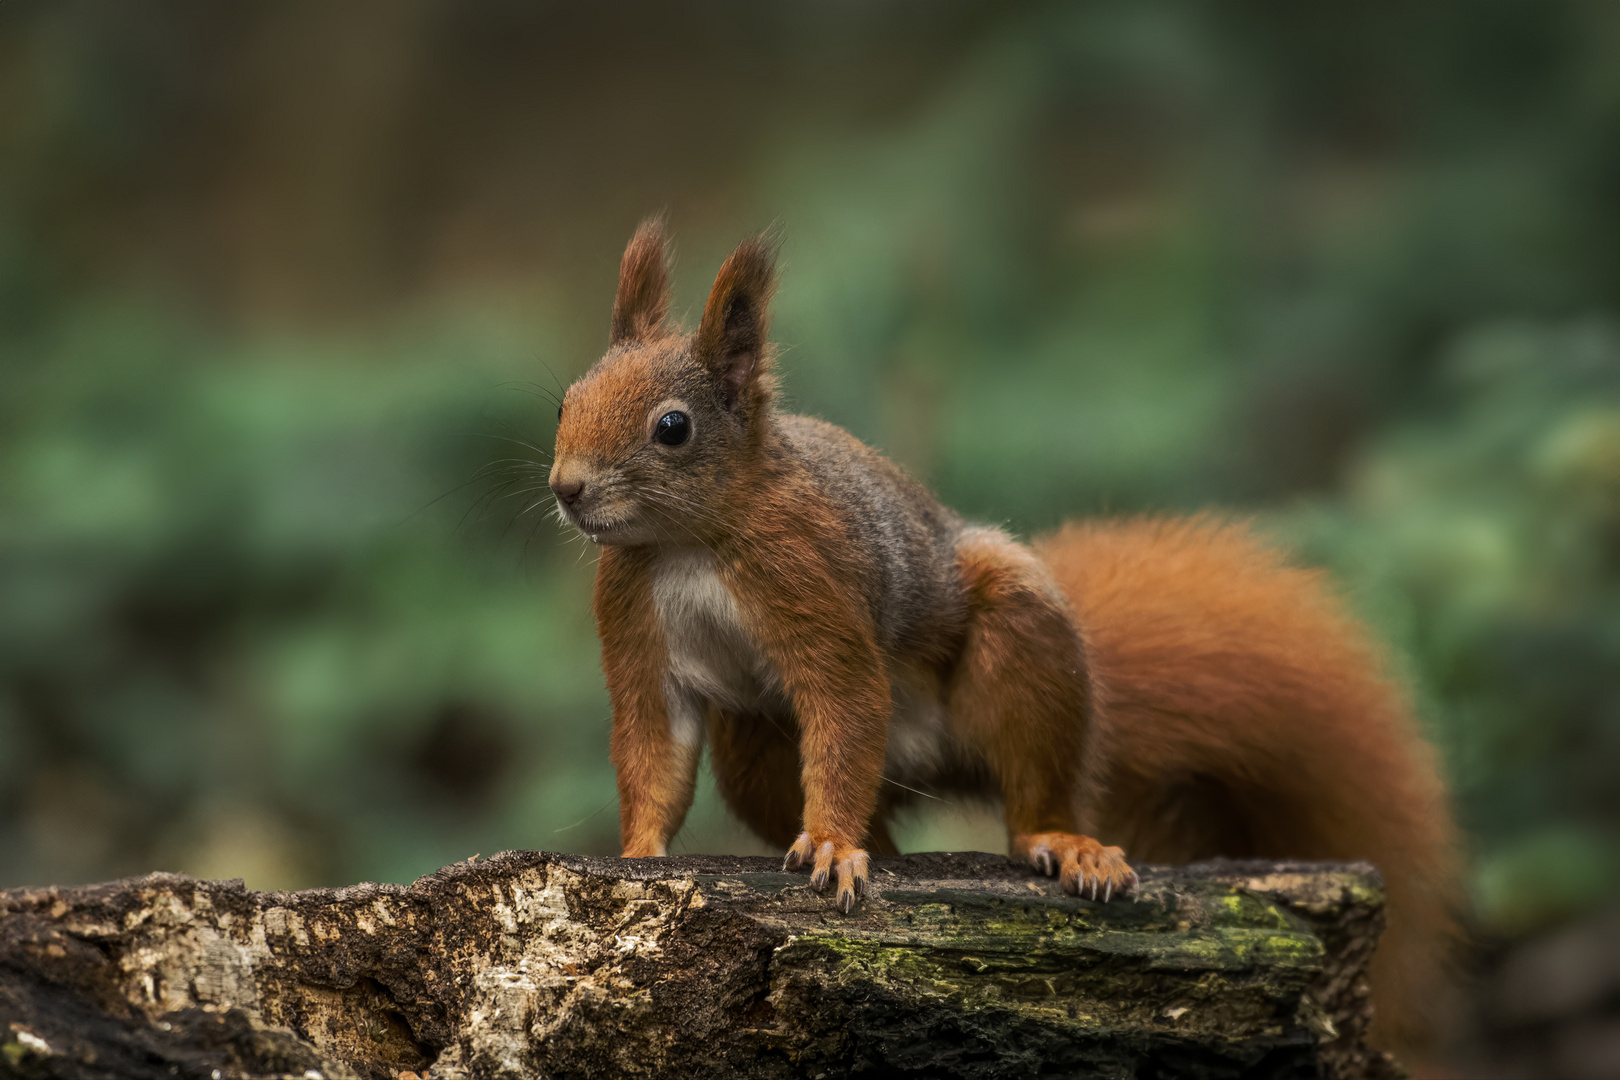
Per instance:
{"type": "Point", "coordinates": [826, 855]}
{"type": "Point", "coordinates": [1083, 862]}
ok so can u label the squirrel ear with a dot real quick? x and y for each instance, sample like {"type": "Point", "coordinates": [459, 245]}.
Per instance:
{"type": "Point", "coordinates": [731, 338]}
{"type": "Point", "coordinates": [643, 297]}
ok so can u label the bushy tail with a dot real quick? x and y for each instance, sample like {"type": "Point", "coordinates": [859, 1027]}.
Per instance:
{"type": "Point", "coordinates": [1243, 713]}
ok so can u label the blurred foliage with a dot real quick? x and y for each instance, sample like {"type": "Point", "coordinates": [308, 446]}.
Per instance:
{"type": "Point", "coordinates": [1489, 531]}
{"type": "Point", "coordinates": [283, 289]}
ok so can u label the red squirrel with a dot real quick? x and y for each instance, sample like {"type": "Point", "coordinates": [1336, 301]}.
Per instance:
{"type": "Point", "coordinates": [775, 588]}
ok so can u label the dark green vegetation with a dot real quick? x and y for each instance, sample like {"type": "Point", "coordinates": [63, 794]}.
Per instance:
{"type": "Point", "coordinates": [275, 281]}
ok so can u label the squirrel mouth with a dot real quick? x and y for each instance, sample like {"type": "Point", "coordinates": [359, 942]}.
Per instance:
{"type": "Point", "coordinates": [594, 531]}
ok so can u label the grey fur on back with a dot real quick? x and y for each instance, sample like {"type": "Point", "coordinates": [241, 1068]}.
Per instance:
{"type": "Point", "coordinates": [910, 534]}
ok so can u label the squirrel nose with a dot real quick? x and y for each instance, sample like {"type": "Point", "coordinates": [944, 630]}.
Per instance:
{"type": "Point", "coordinates": [568, 490]}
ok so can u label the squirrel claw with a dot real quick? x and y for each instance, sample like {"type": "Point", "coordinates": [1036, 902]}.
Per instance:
{"type": "Point", "coordinates": [818, 876]}
{"type": "Point", "coordinates": [798, 854]}
{"type": "Point", "coordinates": [1087, 868]}
{"type": "Point", "coordinates": [831, 860]}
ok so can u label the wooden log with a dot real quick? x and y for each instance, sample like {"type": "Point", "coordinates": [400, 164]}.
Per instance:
{"type": "Point", "coordinates": [535, 964]}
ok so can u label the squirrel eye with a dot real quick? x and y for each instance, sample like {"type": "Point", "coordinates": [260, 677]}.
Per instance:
{"type": "Point", "coordinates": [673, 428]}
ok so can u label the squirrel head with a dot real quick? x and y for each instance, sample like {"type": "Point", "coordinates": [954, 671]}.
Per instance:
{"type": "Point", "coordinates": [651, 438]}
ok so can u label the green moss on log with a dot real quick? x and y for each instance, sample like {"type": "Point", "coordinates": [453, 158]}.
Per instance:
{"type": "Point", "coordinates": [530, 964]}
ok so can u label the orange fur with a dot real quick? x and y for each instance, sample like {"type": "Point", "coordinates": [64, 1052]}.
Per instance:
{"type": "Point", "coordinates": [655, 774]}
{"type": "Point", "coordinates": [816, 631]}
{"type": "Point", "coordinates": [642, 302]}
{"type": "Point", "coordinates": [731, 339]}
{"type": "Point", "coordinates": [1020, 697]}
{"type": "Point", "coordinates": [1244, 714]}
{"type": "Point", "coordinates": [1168, 685]}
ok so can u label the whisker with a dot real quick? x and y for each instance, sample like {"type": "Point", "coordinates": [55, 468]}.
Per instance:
{"type": "Point", "coordinates": [481, 474]}
{"type": "Point", "coordinates": [521, 514]}
{"type": "Point", "coordinates": [914, 791]}
{"type": "Point", "coordinates": [696, 507]}
{"type": "Point", "coordinates": [560, 387]}
{"type": "Point", "coordinates": [522, 387]}
{"type": "Point", "coordinates": [489, 498]}
{"type": "Point", "coordinates": [539, 520]}
{"type": "Point", "coordinates": [529, 539]}
{"type": "Point", "coordinates": [511, 439]}
{"type": "Point", "coordinates": [681, 517]}
{"type": "Point", "coordinates": [686, 506]}
{"type": "Point", "coordinates": [587, 817]}
{"type": "Point", "coordinates": [628, 456]}
{"type": "Point", "coordinates": [665, 533]}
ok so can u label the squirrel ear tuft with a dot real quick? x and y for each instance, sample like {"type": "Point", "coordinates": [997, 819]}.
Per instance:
{"type": "Point", "coordinates": [643, 298]}
{"type": "Point", "coordinates": [731, 339]}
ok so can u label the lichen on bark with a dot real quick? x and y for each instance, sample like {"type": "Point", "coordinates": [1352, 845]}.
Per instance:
{"type": "Point", "coordinates": [533, 964]}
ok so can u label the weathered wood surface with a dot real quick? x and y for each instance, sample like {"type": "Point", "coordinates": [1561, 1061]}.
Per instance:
{"type": "Point", "coordinates": [532, 964]}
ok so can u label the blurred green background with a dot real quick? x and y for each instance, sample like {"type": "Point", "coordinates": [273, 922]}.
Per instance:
{"type": "Point", "coordinates": [282, 286]}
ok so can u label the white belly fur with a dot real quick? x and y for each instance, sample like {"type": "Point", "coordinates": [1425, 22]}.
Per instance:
{"type": "Point", "coordinates": [917, 734]}
{"type": "Point", "coordinates": [712, 658]}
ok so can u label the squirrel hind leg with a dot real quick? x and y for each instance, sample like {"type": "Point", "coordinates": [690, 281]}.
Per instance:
{"type": "Point", "coordinates": [1179, 821]}
{"type": "Point", "coordinates": [1020, 699]}
{"type": "Point", "coordinates": [756, 770]}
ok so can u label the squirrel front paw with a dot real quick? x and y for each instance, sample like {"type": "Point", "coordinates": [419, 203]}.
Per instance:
{"type": "Point", "coordinates": [643, 847]}
{"type": "Point", "coordinates": [1083, 863]}
{"type": "Point", "coordinates": [825, 855]}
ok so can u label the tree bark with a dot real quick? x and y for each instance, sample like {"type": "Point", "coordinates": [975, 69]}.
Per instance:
{"type": "Point", "coordinates": [535, 964]}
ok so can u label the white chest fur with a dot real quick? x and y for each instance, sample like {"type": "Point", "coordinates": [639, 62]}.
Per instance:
{"type": "Point", "coordinates": [711, 655]}
{"type": "Point", "coordinates": [916, 746]}
{"type": "Point", "coordinates": [712, 658]}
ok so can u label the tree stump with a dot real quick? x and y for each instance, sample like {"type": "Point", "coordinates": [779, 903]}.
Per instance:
{"type": "Point", "coordinates": [536, 964]}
